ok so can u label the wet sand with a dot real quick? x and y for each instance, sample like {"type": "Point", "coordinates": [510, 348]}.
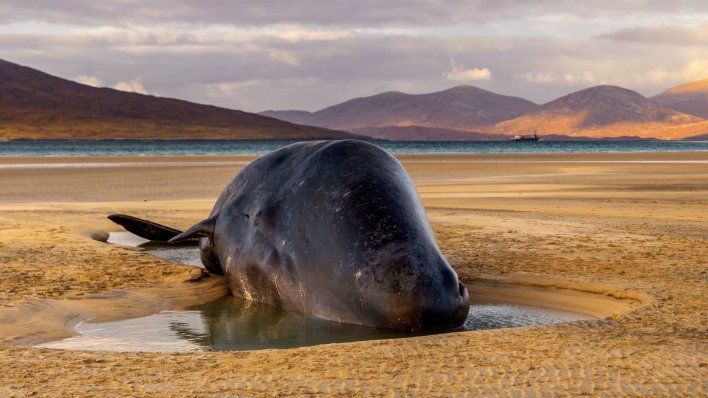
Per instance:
{"type": "Point", "coordinates": [626, 225]}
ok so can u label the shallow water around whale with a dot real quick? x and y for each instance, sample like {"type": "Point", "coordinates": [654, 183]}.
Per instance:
{"type": "Point", "coordinates": [233, 324]}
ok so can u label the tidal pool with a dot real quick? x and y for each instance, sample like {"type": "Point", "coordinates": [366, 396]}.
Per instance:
{"type": "Point", "coordinates": [232, 324]}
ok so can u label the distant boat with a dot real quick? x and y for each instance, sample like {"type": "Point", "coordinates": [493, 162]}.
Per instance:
{"type": "Point", "coordinates": [533, 137]}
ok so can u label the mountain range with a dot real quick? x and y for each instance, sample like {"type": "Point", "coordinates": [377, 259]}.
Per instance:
{"type": "Point", "coordinates": [464, 108]}
{"type": "Point", "coordinates": [35, 105]}
{"type": "Point", "coordinates": [470, 113]}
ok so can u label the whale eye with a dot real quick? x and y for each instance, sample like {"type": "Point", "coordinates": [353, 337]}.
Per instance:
{"type": "Point", "coordinates": [267, 215]}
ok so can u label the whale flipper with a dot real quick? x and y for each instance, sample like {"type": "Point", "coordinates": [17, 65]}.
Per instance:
{"type": "Point", "coordinates": [144, 228]}
{"type": "Point", "coordinates": [204, 229]}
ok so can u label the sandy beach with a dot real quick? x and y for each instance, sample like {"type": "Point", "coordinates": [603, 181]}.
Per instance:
{"type": "Point", "coordinates": [629, 226]}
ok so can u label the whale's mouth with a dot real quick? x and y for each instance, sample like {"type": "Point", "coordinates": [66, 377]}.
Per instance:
{"type": "Point", "coordinates": [453, 317]}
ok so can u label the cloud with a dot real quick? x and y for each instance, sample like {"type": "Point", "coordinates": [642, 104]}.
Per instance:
{"type": "Point", "coordinates": [548, 77]}
{"type": "Point", "coordinates": [312, 54]}
{"type": "Point", "coordinates": [133, 86]}
{"type": "Point", "coordinates": [322, 73]}
{"type": "Point", "coordinates": [693, 70]}
{"type": "Point", "coordinates": [663, 34]}
{"type": "Point", "coordinates": [459, 73]}
{"type": "Point", "coordinates": [232, 88]}
{"type": "Point", "coordinates": [286, 57]}
{"type": "Point", "coordinates": [585, 78]}
{"type": "Point", "coordinates": [537, 77]}
{"type": "Point", "coordinates": [88, 80]}
{"type": "Point", "coordinates": [326, 13]}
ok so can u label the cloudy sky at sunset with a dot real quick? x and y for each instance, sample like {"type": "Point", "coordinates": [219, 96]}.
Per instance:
{"type": "Point", "coordinates": [258, 55]}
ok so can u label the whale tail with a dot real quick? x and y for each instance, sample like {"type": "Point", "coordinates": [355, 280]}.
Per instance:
{"type": "Point", "coordinates": [162, 233]}
{"type": "Point", "coordinates": [144, 228]}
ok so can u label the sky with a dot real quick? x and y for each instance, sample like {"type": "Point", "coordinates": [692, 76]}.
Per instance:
{"type": "Point", "coordinates": [305, 54]}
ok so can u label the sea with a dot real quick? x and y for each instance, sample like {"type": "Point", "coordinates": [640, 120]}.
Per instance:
{"type": "Point", "coordinates": [232, 147]}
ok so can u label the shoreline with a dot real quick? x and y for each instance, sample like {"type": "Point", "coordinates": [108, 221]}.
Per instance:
{"type": "Point", "coordinates": [102, 161]}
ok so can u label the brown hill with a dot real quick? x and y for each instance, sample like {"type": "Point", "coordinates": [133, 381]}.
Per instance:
{"type": "Point", "coordinates": [35, 105]}
{"type": "Point", "coordinates": [605, 111]}
{"type": "Point", "coordinates": [463, 108]}
{"type": "Point", "coordinates": [700, 137]}
{"type": "Point", "coordinates": [691, 98]}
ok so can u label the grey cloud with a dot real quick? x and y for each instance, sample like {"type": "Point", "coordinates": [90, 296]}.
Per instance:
{"type": "Point", "coordinates": [323, 12]}
{"type": "Point", "coordinates": [666, 34]}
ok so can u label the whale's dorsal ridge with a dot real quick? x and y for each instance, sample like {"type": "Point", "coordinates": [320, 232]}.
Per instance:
{"type": "Point", "coordinates": [202, 229]}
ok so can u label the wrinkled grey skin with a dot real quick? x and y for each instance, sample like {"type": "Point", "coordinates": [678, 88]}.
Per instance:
{"type": "Point", "coordinates": [335, 230]}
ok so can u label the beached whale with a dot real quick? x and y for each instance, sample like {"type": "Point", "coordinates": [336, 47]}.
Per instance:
{"type": "Point", "coordinates": [330, 229]}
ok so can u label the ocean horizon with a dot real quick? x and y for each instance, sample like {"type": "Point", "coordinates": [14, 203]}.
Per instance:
{"type": "Point", "coordinates": [256, 147]}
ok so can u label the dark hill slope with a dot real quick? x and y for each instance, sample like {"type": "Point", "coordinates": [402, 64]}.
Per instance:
{"type": "Point", "coordinates": [36, 105]}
